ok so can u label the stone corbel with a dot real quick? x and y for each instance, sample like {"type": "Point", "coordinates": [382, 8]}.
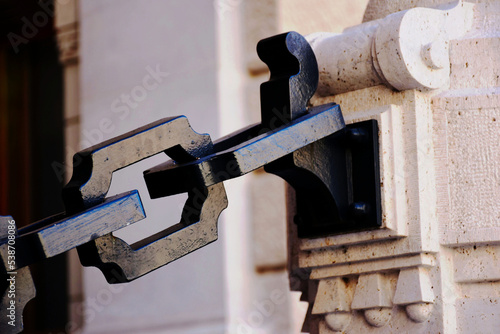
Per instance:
{"type": "Point", "coordinates": [414, 293]}
{"type": "Point", "coordinates": [373, 296]}
{"type": "Point", "coordinates": [404, 50]}
{"type": "Point", "coordinates": [333, 300]}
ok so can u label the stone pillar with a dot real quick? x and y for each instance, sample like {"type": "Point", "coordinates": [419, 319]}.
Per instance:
{"type": "Point", "coordinates": [66, 24]}
{"type": "Point", "coordinates": [430, 77]}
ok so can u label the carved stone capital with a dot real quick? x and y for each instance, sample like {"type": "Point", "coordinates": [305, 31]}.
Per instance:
{"type": "Point", "coordinates": [405, 50]}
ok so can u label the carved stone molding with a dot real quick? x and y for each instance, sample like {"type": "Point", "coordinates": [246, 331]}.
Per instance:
{"type": "Point", "coordinates": [375, 297]}
{"type": "Point", "coordinates": [414, 291]}
{"type": "Point", "coordinates": [361, 275]}
{"type": "Point", "coordinates": [432, 266]}
{"type": "Point", "coordinates": [334, 298]}
{"type": "Point", "coordinates": [405, 50]}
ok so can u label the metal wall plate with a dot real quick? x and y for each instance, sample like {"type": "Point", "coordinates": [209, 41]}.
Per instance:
{"type": "Point", "coordinates": [337, 182]}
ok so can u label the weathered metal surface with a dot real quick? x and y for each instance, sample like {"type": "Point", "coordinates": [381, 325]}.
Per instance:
{"type": "Point", "coordinates": [336, 178]}
{"type": "Point", "coordinates": [333, 169]}
{"type": "Point", "coordinates": [168, 179]}
{"type": "Point", "coordinates": [16, 286]}
{"type": "Point", "coordinates": [58, 234]}
{"type": "Point", "coordinates": [121, 262]}
{"type": "Point", "coordinates": [293, 81]}
{"type": "Point", "coordinates": [94, 166]}
{"type": "Point", "coordinates": [336, 182]}
{"type": "Point", "coordinates": [286, 126]}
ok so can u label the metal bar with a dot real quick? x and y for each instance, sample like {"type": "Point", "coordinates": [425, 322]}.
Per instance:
{"type": "Point", "coordinates": [169, 179]}
{"type": "Point", "coordinates": [50, 238]}
{"type": "Point", "coordinates": [94, 167]}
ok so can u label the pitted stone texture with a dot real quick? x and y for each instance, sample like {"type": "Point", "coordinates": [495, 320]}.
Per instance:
{"type": "Point", "coordinates": [450, 175]}
{"type": "Point", "coordinates": [468, 58]}
{"type": "Point", "coordinates": [479, 314]}
{"type": "Point", "coordinates": [477, 264]}
{"type": "Point", "coordinates": [404, 50]}
{"type": "Point", "coordinates": [338, 321]}
{"type": "Point", "coordinates": [378, 317]}
{"type": "Point", "coordinates": [419, 312]}
{"type": "Point", "coordinates": [472, 134]}
{"type": "Point", "coordinates": [414, 286]}
{"type": "Point", "coordinates": [374, 291]}
{"type": "Point", "coordinates": [334, 295]}
{"type": "Point", "coordinates": [378, 9]}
